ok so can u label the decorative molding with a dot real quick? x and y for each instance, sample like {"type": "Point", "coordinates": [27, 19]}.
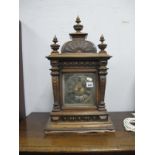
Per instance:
{"type": "Point", "coordinates": [102, 68]}
{"type": "Point", "coordinates": [80, 118]}
{"type": "Point", "coordinates": [78, 44]}
{"type": "Point", "coordinates": [102, 83]}
{"type": "Point", "coordinates": [55, 82]}
{"type": "Point", "coordinates": [78, 63]}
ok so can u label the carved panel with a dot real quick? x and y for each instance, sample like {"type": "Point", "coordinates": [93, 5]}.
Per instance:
{"type": "Point", "coordinates": [56, 85]}
{"type": "Point", "coordinates": [79, 45]}
{"type": "Point", "coordinates": [85, 63]}
{"type": "Point", "coordinates": [80, 118]}
{"type": "Point", "coordinates": [102, 83]}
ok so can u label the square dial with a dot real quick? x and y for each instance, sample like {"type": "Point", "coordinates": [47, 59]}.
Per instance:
{"type": "Point", "coordinates": [79, 89]}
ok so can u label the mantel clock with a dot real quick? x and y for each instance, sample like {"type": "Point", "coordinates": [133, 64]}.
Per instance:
{"type": "Point", "coordinates": [79, 81]}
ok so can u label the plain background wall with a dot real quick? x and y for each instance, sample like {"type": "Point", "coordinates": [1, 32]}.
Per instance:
{"type": "Point", "coordinates": [42, 19]}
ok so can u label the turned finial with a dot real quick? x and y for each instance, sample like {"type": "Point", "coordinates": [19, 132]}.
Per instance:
{"type": "Point", "coordinates": [102, 38]}
{"type": "Point", "coordinates": [102, 46]}
{"type": "Point", "coordinates": [78, 27]}
{"type": "Point", "coordinates": [55, 46]}
{"type": "Point", "coordinates": [78, 20]}
{"type": "Point", "coordinates": [55, 40]}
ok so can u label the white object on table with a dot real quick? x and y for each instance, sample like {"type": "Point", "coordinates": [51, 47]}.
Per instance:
{"type": "Point", "coordinates": [128, 123]}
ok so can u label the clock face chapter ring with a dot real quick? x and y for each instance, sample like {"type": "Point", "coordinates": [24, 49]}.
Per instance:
{"type": "Point", "coordinates": [79, 89]}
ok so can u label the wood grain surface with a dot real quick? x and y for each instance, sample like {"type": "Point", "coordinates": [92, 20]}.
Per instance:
{"type": "Point", "coordinates": [33, 140]}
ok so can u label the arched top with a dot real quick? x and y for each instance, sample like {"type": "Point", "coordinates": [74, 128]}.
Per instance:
{"type": "Point", "coordinates": [78, 44]}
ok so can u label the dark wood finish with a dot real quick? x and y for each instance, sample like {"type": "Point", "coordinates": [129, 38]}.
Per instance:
{"type": "Point", "coordinates": [79, 56]}
{"type": "Point", "coordinates": [56, 84]}
{"type": "Point", "coordinates": [102, 83]}
{"type": "Point", "coordinates": [33, 140]}
{"type": "Point", "coordinates": [86, 64]}
{"type": "Point", "coordinates": [78, 44]}
{"type": "Point", "coordinates": [21, 81]}
{"type": "Point", "coordinates": [102, 46]}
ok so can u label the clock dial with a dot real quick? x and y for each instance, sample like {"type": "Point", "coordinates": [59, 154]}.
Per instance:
{"type": "Point", "coordinates": [79, 88]}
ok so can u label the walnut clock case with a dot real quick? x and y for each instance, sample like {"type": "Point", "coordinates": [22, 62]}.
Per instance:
{"type": "Point", "coordinates": [79, 81]}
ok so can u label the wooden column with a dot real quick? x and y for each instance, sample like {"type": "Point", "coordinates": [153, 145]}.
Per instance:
{"type": "Point", "coordinates": [102, 83]}
{"type": "Point", "coordinates": [102, 73]}
{"type": "Point", "coordinates": [56, 85]}
{"type": "Point", "coordinates": [55, 75]}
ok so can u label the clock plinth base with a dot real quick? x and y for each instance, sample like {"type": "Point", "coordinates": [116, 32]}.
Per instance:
{"type": "Point", "coordinates": [81, 122]}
